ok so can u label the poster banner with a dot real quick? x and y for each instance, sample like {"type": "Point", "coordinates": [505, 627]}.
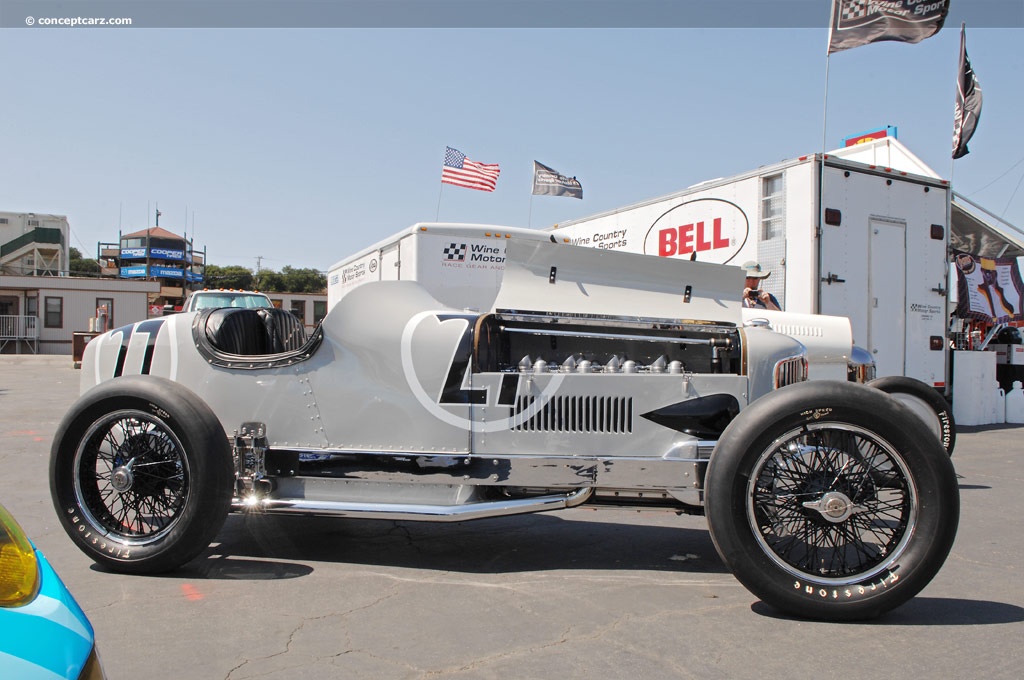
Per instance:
{"type": "Point", "coordinates": [988, 289]}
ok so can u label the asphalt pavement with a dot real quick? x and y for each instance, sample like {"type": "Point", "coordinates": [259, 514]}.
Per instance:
{"type": "Point", "coordinates": [571, 594]}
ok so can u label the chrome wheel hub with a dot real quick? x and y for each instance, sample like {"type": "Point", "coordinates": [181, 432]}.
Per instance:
{"type": "Point", "coordinates": [834, 507]}
{"type": "Point", "coordinates": [122, 478]}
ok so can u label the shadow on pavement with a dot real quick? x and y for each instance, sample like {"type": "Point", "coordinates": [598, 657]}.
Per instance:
{"type": "Point", "coordinates": [216, 567]}
{"type": "Point", "coordinates": [931, 611]}
{"type": "Point", "coordinates": [491, 546]}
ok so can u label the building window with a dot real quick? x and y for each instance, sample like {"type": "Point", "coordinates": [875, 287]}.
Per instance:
{"type": "Point", "coordinates": [33, 223]}
{"type": "Point", "coordinates": [54, 314]}
{"type": "Point", "coordinates": [319, 311]}
{"type": "Point", "coordinates": [31, 306]}
{"type": "Point", "coordinates": [3, 220]}
{"type": "Point", "coordinates": [109, 304]}
{"type": "Point", "coordinates": [299, 309]}
{"type": "Point", "coordinates": [773, 207]}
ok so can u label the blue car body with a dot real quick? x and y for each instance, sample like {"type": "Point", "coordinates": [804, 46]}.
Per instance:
{"type": "Point", "coordinates": [48, 637]}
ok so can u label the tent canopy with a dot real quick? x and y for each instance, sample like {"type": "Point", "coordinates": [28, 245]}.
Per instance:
{"type": "Point", "coordinates": [979, 232]}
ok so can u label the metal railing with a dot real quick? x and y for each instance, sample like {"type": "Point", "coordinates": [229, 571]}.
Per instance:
{"type": "Point", "coordinates": [13, 327]}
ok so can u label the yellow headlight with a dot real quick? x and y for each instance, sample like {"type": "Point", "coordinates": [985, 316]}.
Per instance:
{"type": "Point", "coordinates": [19, 572]}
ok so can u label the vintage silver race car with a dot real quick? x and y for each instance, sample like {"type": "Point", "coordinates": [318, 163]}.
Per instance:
{"type": "Point", "coordinates": [597, 377]}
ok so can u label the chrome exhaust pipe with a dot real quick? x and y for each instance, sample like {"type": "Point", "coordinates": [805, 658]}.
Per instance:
{"type": "Point", "coordinates": [412, 511]}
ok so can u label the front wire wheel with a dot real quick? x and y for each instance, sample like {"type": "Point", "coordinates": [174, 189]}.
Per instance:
{"type": "Point", "coordinates": [830, 500]}
{"type": "Point", "coordinates": [131, 476]}
{"type": "Point", "coordinates": [921, 398]}
{"type": "Point", "coordinates": [833, 502]}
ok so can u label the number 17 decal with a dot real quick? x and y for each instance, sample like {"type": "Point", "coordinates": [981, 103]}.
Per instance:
{"type": "Point", "coordinates": [458, 389]}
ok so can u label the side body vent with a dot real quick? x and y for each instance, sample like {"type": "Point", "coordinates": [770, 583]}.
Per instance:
{"type": "Point", "coordinates": [601, 415]}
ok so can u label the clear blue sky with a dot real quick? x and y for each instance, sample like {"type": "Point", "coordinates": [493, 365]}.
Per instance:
{"type": "Point", "coordinates": [303, 146]}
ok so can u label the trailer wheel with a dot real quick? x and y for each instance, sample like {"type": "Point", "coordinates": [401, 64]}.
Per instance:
{"type": "Point", "coordinates": [831, 501]}
{"type": "Point", "coordinates": [923, 400]}
{"type": "Point", "coordinates": [141, 474]}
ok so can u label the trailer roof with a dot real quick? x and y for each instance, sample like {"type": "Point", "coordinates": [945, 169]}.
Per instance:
{"type": "Point", "coordinates": [882, 156]}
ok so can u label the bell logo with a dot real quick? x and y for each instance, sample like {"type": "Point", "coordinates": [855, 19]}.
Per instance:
{"type": "Point", "coordinates": [691, 238]}
{"type": "Point", "coordinates": [715, 228]}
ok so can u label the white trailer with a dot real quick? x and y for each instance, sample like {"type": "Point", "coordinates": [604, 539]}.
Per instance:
{"type": "Point", "coordinates": [460, 264]}
{"type": "Point", "coordinates": [865, 239]}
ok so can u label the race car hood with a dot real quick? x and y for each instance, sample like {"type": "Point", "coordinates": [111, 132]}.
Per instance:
{"type": "Point", "coordinates": [828, 339]}
{"type": "Point", "coordinates": [580, 282]}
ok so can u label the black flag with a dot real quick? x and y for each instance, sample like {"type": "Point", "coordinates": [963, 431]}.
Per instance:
{"type": "Point", "coordinates": [549, 182]}
{"type": "Point", "coordinates": [967, 111]}
{"type": "Point", "coordinates": [860, 22]}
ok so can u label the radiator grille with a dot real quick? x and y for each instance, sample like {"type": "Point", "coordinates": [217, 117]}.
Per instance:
{"type": "Point", "coordinates": [791, 370]}
{"type": "Point", "coordinates": [603, 415]}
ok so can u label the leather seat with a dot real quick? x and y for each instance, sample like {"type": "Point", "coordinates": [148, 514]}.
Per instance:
{"type": "Point", "coordinates": [254, 332]}
{"type": "Point", "coordinates": [286, 332]}
{"type": "Point", "coordinates": [237, 331]}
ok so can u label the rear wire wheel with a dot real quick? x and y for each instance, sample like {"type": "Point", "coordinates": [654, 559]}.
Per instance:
{"type": "Point", "coordinates": [141, 474]}
{"type": "Point", "coordinates": [131, 476]}
{"type": "Point", "coordinates": [829, 501]}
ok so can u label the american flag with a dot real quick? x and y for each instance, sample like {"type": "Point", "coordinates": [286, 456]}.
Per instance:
{"type": "Point", "coordinates": [462, 172]}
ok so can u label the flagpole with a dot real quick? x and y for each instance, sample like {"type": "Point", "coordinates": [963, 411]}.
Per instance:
{"type": "Point", "coordinates": [437, 216]}
{"type": "Point", "coordinates": [824, 109]}
{"type": "Point", "coordinates": [529, 215]}
{"type": "Point", "coordinates": [821, 166]}
{"type": "Point", "coordinates": [824, 106]}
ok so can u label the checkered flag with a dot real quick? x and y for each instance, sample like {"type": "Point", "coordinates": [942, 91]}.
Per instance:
{"type": "Point", "coordinates": [855, 9]}
{"type": "Point", "coordinates": [455, 252]}
{"type": "Point", "coordinates": [860, 22]}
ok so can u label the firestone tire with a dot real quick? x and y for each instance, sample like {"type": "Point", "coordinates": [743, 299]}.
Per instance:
{"type": "Point", "coordinates": [141, 474]}
{"type": "Point", "coordinates": [831, 501]}
{"type": "Point", "coordinates": [923, 400]}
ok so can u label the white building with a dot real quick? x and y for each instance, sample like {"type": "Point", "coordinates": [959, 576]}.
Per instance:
{"type": "Point", "coordinates": [42, 309]}
{"type": "Point", "coordinates": [32, 244]}
{"type": "Point", "coordinates": [43, 314]}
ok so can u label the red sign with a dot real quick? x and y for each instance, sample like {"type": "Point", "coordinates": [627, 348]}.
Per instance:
{"type": "Point", "coordinates": [871, 135]}
{"type": "Point", "coordinates": [691, 238]}
{"type": "Point", "coordinates": [714, 227]}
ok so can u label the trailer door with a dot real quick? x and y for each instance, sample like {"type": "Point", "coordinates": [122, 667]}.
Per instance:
{"type": "Point", "coordinates": [887, 291]}
{"type": "Point", "coordinates": [390, 262]}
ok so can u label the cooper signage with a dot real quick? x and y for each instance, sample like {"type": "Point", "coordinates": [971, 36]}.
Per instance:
{"type": "Point", "coordinates": [168, 254]}
{"type": "Point", "coordinates": [713, 229]}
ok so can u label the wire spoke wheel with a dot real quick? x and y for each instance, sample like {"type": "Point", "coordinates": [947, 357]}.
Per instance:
{"type": "Point", "coordinates": [832, 501]}
{"type": "Point", "coordinates": [141, 474]}
{"type": "Point", "coordinates": [131, 474]}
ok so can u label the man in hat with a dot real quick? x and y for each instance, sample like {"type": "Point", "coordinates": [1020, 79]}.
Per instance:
{"type": "Point", "coordinates": [752, 296]}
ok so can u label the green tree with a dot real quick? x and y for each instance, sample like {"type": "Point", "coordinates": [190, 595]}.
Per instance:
{"type": "Point", "coordinates": [81, 266]}
{"type": "Point", "coordinates": [234, 276]}
{"type": "Point", "coordinates": [269, 281]}
{"type": "Point", "coordinates": [288, 280]}
{"type": "Point", "coordinates": [303, 280]}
